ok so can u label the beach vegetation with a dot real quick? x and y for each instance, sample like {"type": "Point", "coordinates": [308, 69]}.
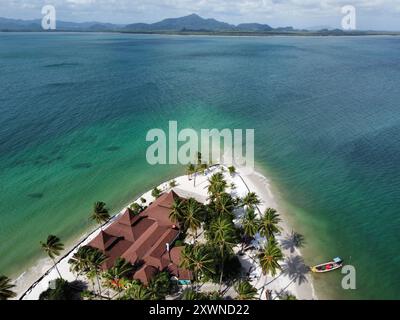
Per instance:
{"type": "Point", "coordinates": [244, 290]}
{"type": "Point", "coordinates": [156, 193]}
{"type": "Point", "coordinates": [270, 257]}
{"type": "Point", "coordinates": [135, 290]}
{"type": "Point", "coordinates": [172, 184]}
{"type": "Point", "coordinates": [100, 213]}
{"type": "Point", "coordinates": [136, 208]}
{"type": "Point", "coordinates": [63, 290]}
{"type": "Point", "coordinates": [222, 234]}
{"type": "Point", "coordinates": [232, 170]}
{"type": "Point", "coordinates": [269, 224]}
{"type": "Point", "coordinates": [6, 287]}
{"type": "Point", "coordinates": [160, 286]}
{"type": "Point", "coordinates": [80, 261]}
{"type": "Point", "coordinates": [287, 296]}
{"type": "Point", "coordinates": [115, 277]}
{"type": "Point", "coordinates": [53, 247]}
{"type": "Point", "coordinates": [198, 260]}
{"type": "Point", "coordinates": [96, 261]}
{"type": "Point", "coordinates": [251, 200]}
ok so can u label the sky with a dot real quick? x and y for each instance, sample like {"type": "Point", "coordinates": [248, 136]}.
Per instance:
{"type": "Point", "coordinates": [371, 14]}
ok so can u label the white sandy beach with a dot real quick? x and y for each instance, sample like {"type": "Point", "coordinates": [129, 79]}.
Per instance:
{"type": "Point", "coordinates": [293, 279]}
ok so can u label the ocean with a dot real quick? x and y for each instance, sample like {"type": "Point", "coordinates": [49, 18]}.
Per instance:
{"type": "Point", "coordinates": [76, 108]}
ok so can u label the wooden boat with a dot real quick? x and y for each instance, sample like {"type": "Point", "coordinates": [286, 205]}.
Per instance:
{"type": "Point", "coordinates": [337, 263]}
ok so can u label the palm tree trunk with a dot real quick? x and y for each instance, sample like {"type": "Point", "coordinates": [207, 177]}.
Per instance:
{"type": "Point", "coordinates": [98, 283]}
{"type": "Point", "coordinates": [221, 276]}
{"type": "Point", "coordinates": [58, 271]}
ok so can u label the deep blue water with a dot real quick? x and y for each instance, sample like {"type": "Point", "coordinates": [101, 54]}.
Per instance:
{"type": "Point", "coordinates": [75, 109]}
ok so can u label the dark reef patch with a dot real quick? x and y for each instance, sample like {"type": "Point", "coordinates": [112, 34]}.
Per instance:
{"type": "Point", "coordinates": [37, 195]}
{"type": "Point", "coordinates": [84, 165]}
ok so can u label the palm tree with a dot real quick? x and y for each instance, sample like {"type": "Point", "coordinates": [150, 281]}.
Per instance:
{"type": "Point", "coordinates": [136, 291]}
{"type": "Point", "coordinates": [192, 216]}
{"type": "Point", "coordinates": [80, 261]}
{"type": "Point", "coordinates": [177, 211]}
{"type": "Point", "coordinates": [160, 286]}
{"type": "Point", "coordinates": [269, 223]}
{"type": "Point", "coordinates": [190, 170]}
{"type": "Point", "coordinates": [222, 233]}
{"type": "Point", "coordinates": [5, 288]}
{"type": "Point", "coordinates": [96, 261]}
{"type": "Point", "coordinates": [156, 193]}
{"type": "Point", "coordinates": [114, 277]}
{"type": "Point", "coordinates": [250, 223]}
{"type": "Point", "coordinates": [251, 200]}
{"type": "Point", "coordinates": [52, 247]}
{"type": "Point", "coordinates": [270, 257]}
{"type": "Point", "coordinates": [245, 290]}
{"type": "Point", "coordinates": [100, 213]}
{"type": "Point", "coordinates": [215, 189]}
{"type": "Point", "coordinates": [232, 170]}
{"type": "Point", "coordinates": [250, 226]}
{"type": "Point", "coordinates": [190, 294]}
{"type": "Point", "coordinates": [198, 260]}
{"type": "Point", "coordinates": [224, 204]}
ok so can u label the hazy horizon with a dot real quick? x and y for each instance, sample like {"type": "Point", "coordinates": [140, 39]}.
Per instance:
{"type": "Point", "coordinates": [382, 15]}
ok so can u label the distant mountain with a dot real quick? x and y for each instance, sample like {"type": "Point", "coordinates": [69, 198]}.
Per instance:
{"type": "Point", "coordinates": [36, 25]}
{"type": "Point", "coordinates": [253, 27]}
{"type": "Point", "coordinates": [20, 25]}
{"type": "Point", "coordinates": [188, 23]}
{"type": "Point", "coordinates": [192, 22]}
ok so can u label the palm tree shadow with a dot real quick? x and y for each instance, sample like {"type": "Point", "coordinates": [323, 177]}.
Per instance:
{"type": "Point", "coordinates": [295, 268]}
{"type": "Point", "coordinates": [293, 241]}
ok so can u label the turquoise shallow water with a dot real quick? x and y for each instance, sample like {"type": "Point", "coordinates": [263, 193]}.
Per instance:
{"type": "Point", "coordinates": [75, 109]}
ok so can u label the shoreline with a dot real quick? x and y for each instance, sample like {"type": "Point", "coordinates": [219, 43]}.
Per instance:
{"type": "Point", "coordinates": [35, 279]}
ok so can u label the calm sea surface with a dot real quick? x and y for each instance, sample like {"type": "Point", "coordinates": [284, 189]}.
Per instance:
{"type": "Point", "coordinates": [75, 110]}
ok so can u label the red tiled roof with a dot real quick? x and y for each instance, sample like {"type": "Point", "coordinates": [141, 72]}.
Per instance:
{"type": "Point", "coordinates": [145, 274]}
{"type": "Point", "coordinates": [143, 239]}
{"type": "Point", "coordinates": [103, 241]}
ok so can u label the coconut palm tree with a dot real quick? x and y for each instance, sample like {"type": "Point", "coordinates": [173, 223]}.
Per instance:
{"type": "Point", "coordinates": [190, 170]}
{"type": "Point", "coordinates": [177, 211]}
{"type": "Point", "coordinates": [250, 226]}
{"type": "Point", "coordinates": [250, 223]}
{"type": "Point", "coordinates": [160, 286]}
{"type": "Point", "coordinates": [156, 193]}
{"type": "Point", "coordinates": [269, 223]}
{"type": "Point", "coordinates": [52, 247]}
{"type": "Point", "coordinates": [224, 204]}
{"type": "Point", "coordinates": [100, 213]}
{"type": "Point", "coordinates": [80, 262]}
{"type": "Point", "coordinates": [192, 216]}
{"type": "Point", "coordinates": [251, 200]}
{"type": "Point", "coordinates": [136, 291]}
{"type": "Point", "coordinates": [197, 260]}
{"type": "Point", "coordinates": [114, 277]}
{"type": "Point", "coordinates": [222, 233]}
{"type": "Point", "coordinates": [96, 261]}
{"type": "Point", "coordinates": [5, 288]}
{"type": "Point", "coordinates": [270, 257]}
{"type": "Point", "coordinates": [245, 290]}
{"type": "Point", "coordinates": [216, 189]}
{"type": "Point", "coordinates": [190, 294]}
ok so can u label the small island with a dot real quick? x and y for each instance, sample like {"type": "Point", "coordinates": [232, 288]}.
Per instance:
{"type": "Point", "coordinates": [209, 235]}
